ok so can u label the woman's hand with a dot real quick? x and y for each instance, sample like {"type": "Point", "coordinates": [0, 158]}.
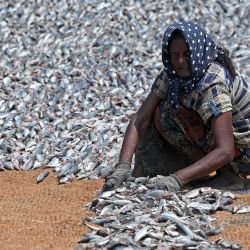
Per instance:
{"type": "Point", "coordinates": [121, 173]}
{"type": "Point", "coordinates": [171, 183]}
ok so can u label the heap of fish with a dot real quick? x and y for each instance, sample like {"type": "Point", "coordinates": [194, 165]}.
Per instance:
{"type": "Point", "coordinates": [135, 217]}
{"type": "Point", "coordinates": [73, 72]}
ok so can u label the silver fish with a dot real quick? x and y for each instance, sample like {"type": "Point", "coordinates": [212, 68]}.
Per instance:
{"type": "Point", "coordinates": [41, 177]}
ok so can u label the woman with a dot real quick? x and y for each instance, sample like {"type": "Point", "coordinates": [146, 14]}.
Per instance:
{"type": "Point", "coordinates": [195, 120]}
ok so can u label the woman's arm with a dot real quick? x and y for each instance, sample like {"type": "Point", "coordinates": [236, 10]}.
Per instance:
{"type": "Point", "coordinates": [222, 154]}
{"type": "Point", "coordinates": [137, 126]}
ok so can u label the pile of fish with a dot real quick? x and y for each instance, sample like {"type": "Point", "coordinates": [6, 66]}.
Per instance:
{"type": "Point", "coordinates": [135, 217]}
{"type": "Point", "coordinates": [73, 72]}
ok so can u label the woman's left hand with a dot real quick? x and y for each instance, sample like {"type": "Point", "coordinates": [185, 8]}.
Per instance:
{"type": "Point", "coordinates": [171, 183]}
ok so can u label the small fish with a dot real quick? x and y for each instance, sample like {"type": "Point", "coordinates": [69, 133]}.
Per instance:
{"type": "Point", "coordinates": [155, 193]}
{"type": "Point", "coordinates": [119, 202]}
{"type": "Point", "coordinates": [228, 244]}
{"type": "Point", "coordinates": [100, 221]}
{"type": "Point", "coordinates": [192, 194]}
{"type": "Point", "coordinates": [241, 210]}
{"type": "Point", "coordinates": [107, 194]}
{"type": "Point", "coordinates": [141, 233]}
{"type": "Point", "coordinates": [180, 223]}
{"type": "Point", "coordinates": [41, 177]}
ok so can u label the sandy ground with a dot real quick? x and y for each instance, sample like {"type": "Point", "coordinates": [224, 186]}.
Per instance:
{"type": "Point", "coordinates": [45, 215]}
{"type": "Point", "coordinates": [237, 229]}
{"type": "Point", "coordinates": [48, 216]}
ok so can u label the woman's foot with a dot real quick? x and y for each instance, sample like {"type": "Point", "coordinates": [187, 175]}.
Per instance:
{"type": "Point", "coordinates": [225, 179]}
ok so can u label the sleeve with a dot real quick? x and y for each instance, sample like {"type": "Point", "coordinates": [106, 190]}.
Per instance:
{"type": "Point", "coordinates": [215, 100]}
{"type": "Point", "coordinates": [160, 86]}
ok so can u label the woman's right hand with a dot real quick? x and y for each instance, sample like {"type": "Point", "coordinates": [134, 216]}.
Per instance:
{"type": "Point", "coordinates": [121, 173]}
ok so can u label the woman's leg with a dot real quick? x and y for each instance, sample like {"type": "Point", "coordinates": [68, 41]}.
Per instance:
{"type": "Point", "coordinates": [225, 179]}
{"type": "Point", "coordinates": [193, 152]}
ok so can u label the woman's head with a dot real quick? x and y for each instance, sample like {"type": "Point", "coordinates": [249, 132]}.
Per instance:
{"type": "Point", "coordinates": [187, 52]}
{"type": "Point", "coordinates": [179, 55]}
{"type": "Point", "coordinates": [200, 48]}
{"type": "Point", "coordinates": [188, 43]}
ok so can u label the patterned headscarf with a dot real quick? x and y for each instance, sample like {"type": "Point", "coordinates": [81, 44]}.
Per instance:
{"type": "Point", "coordinates": [203, 51]}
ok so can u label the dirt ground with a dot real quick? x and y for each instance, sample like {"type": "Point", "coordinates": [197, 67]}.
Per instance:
{"type": "Point", "coordinates": [45, 215]}
{"type": "Point", "coordinates": [48, 216]}
{"type": "Point", "coordinates": [237, 229]}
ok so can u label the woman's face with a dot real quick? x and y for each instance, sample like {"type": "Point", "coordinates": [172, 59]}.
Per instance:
{"type": "Point", "coordinates": [180, 57]}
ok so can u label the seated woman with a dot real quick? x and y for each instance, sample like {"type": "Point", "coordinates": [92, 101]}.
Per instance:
{"type": "Point", "coordinates": [195, 120]}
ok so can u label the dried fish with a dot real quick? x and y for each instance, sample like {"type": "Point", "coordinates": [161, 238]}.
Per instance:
{"type": "Point", "coordinates": [148, 218]}
{"type": "Point", "coordinates": [41, 177]}
{"type": "Point", "coordinates": [78, 103]}
{"type": "Point", "coordinates": [72, 73]}
{"type": "Point", "coordinates": [241, 209]}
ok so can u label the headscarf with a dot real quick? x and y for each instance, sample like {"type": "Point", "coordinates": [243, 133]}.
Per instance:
{"type": "Point", "coordinates": [203, 51]}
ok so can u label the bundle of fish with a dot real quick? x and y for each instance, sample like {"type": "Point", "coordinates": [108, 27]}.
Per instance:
{"type": "Point", "coordinates": [135, 217]}
{"type": "Point", "coordinates": [72, 72]}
